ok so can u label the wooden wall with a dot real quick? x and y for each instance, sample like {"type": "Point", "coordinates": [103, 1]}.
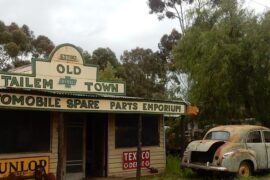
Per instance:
{"type": "Point", "coordinates": [54, 142]}
{"type": "Point", "coordinates": [115, 155]}
{"type": "Point", "coordinates": [157, 153]}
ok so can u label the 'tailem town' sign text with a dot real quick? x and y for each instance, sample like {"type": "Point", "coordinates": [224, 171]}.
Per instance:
{"type": "Point", "coordinates": [64, 71]}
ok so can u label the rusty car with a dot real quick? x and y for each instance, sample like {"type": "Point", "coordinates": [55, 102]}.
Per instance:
{"type": "Point", "coordinates": [240, 149]}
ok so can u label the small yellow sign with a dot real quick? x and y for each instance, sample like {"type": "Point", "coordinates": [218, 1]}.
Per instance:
{"type": "Point", "coordinates": [22, 166]}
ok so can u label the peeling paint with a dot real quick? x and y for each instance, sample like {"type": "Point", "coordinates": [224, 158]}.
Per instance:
{"type": "Point", "coordinates": [216, 155]}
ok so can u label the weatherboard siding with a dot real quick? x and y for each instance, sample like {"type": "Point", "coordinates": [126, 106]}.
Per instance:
{"type": "Point", "coordinates": [54, 143]}
{"type": "Point", "coordinates": [115, 155]}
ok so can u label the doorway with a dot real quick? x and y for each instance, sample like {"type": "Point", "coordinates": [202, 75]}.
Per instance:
{"type": "Point", "coordinates": [96, 144]}
{"type": "Point", "coordinates": [75, 148]}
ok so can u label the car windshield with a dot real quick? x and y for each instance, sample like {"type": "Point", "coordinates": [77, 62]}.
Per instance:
{"type": "Point", "coordinates": [218, 135]}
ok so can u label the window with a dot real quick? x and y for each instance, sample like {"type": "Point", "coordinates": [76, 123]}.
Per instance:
{"type": "Point", "coordinates": [24, 131]}
{"type": "Point", "coordinates": [126, 130]}
{"type": "Point", "coordinates": [218, 135]}
{"type": "Point", "coordinates": [266, 136]}
{"type": "Point", "coordinates": [254, 137]}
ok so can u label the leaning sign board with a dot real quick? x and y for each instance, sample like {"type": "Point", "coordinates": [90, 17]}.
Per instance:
{"type": "Point", "coordinates": [65, 70]}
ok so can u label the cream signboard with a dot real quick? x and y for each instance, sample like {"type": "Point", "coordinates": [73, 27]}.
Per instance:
{"type": "Point", "coordinates": [64, 71]}
{"type": "Point", "coordinates": [25, 101]}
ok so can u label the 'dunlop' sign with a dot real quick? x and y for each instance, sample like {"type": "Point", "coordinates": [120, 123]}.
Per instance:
{"type": "Point", "coordinates": [130, 159]}
{"type": "Point", "coordinates": [22, 166]}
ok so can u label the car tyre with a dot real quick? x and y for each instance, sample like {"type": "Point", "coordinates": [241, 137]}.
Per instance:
{"type": "Point", "coordinates": [245, 169]}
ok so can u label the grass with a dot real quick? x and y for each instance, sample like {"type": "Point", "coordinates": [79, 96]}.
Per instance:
{"type": "Point", "coordinates": [173, 169]}
{"type": "Point", "coordinates": [174, 172]}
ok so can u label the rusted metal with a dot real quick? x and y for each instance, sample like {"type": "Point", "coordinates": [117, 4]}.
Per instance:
{"type": "Point", "coordinates": [192, 110]}
{"type": "Point", "coordinates": [228, 154]}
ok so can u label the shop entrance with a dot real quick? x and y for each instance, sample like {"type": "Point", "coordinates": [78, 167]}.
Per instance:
{"type": "Point", "coordinates": [75, 148]}
{"type": "Point", "coordinates": [96, 146]}
{"type": "Point", "coordinates": [85, 145]}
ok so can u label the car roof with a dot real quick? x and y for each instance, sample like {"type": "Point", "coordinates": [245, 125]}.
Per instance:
{"type": "Point", "coordinates": [238, 131]}
{"type": "Point", "coordinates": [238, 127]}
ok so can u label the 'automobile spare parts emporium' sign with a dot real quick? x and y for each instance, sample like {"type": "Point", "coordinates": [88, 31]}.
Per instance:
{"type": "Point", "coordinates": [26, 101]}
{"type": "Point", "coordinates": [64, 71]}
{"type": "Point", "coordinates": [22, 166]}
{"type": "Point", "coordinates": [130, 159]}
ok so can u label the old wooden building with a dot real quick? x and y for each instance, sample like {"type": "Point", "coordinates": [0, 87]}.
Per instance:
{"type": "Point", "coordinates": [61, 117]}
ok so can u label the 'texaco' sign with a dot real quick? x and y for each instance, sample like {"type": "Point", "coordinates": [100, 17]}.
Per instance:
{"type": "Point", "coordinates": [130, 159]}
{"type": "Point", "coordinates": [22, 166]}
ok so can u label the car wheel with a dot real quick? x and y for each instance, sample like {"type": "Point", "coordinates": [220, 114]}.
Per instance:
{"type": "Point", "coordinates": [245, 169]}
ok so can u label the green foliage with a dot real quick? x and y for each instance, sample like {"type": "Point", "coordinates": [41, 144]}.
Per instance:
{"type": "Point", "coordinates": [172, 134]}
{"type": "Point", "coordinates": [87, 57]}
{"type": "Point", "coordinates": [16, 42]}
{"type": "Point", "coordinates": [2, 26]}
{"type": "Point", "coordinates": [144, 72]}
{"type": "Point", "coordinates": [42, 46]}
{"type": "Point", "coordinates": [108, 74]}
{"type": "Point", "coordinates": [102, 56]}
{"type": "Point", "coordinates": [176, 85]}
{"type": "Point", "coordinates": [181, 10]}
{"type": "Point", "coordinates": [226, 56]}
{"type": "Point", "coordinates": [173, 168]}
{"type": "Point", "coordinates": [12, 49]}
{"type": "Point", "coordinates": [172, 165]}
{"type": "Point", "coordinates": [171, 9]}
{"type": "Point", "coordinates": [173, 171]}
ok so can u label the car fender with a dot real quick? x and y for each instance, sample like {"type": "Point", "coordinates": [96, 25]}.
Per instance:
{"type": "Point", "coordinates": [233, 161]}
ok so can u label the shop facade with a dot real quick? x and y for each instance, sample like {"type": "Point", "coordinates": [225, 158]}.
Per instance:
{"type": "Point", "coordinates": [60, 117]}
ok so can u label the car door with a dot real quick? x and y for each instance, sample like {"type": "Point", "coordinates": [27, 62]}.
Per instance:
{"type": "Point", "coordinates": [254, 143]}
{"type": "Point", "coordinates": [266, 136]}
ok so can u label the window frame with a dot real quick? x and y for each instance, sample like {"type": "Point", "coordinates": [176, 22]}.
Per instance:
{"type": "Point", "coordinates": [247, 136]}
{"type": "Point", "coordinates": [264, 136]}
{"type": "Point", "coordinates": [49, 134]}
{"type": "Point", "coordinates": [144, 118]}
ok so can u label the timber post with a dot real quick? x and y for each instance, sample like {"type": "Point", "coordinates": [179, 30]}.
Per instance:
{"type": "Point", "coordinates": [183, 138]}
{"type": "Point", "coordinates": [139, 149]}
{"type": "Point", "coordinates": [60, 165]}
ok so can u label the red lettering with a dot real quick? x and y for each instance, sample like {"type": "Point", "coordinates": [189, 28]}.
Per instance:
{"type": "Point", "coordinates": [130, 159]}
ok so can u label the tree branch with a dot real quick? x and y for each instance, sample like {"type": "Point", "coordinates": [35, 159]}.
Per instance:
{"type": "Point", "coordinates": [180, 17]}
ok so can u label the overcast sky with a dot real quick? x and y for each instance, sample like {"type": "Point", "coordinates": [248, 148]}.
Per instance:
{"type": "Point", "coordinates": [117, 24]}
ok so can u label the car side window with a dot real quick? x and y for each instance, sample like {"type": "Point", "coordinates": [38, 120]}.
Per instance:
{"type": "Point", "coordinates": [266, 135]}
{"type": "Point", "coordinates": [254, 137]}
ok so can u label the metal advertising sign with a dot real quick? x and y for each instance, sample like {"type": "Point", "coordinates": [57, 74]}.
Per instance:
{"type": "Point", "coordinates": [130, 159]}
{"type": "Point", "coordinates": [22, 166]}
